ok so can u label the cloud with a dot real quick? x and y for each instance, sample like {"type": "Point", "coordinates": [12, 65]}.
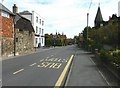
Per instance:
{"type": "Point", "coordinates": [68, 16]}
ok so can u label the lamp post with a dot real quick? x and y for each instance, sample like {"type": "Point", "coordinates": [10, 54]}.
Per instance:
{"type": "Point", "coordinates": [54, 40]}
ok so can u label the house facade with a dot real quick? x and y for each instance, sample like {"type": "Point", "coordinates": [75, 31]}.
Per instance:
{"type": "Point", "coordinates": [24, 34]}
{"type": "Point", "coordinates": [6, 31]}
{"type": "Point", "coordinates": [119, 9]}
{"type": "Point", "coordinates": [38, 25]}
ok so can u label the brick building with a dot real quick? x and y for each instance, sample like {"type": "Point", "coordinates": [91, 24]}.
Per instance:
{"type": "Point", "coordinates": [6, 30]}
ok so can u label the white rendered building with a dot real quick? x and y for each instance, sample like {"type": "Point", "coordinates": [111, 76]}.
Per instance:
{"type": "Point", "coordinates": [38, 25]}
{"type": "Point", "coordinates": [119, 8]}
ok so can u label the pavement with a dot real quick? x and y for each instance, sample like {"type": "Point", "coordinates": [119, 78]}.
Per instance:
{"type": "Point", "coordinates": [48, 67]}
{"type": "Point", "coordinates": [84, 72]}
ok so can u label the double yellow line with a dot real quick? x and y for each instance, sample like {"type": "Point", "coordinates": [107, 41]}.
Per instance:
{"type": "Point", "coordinates": [62, 76]}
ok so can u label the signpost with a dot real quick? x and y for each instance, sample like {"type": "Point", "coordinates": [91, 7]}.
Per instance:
{"type": "Point", "coordinates": [54, 40]}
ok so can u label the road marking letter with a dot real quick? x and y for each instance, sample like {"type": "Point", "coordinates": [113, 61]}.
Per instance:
{"type": "Point", "coordinates": [57, 65]}
{"type": "Point", "coordinates": [50, 65]}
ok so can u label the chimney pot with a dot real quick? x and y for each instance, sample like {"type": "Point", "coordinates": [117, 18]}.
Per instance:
{"type": "Point", "coordinates": [15, 9]}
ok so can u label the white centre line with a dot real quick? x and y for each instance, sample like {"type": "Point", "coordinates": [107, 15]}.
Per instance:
{"type": "Point", "coordinates": [33, 64]}
{"type": "Point", "coordinates": [18, 71]}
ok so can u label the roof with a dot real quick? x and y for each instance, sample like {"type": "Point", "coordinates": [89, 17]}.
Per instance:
{"type": "Point", "coordinates": [23, 23]}
{"type": "Point", "coordinates": [3, 8]}
{"type": "Point", "coordinates": [25, 13]}
{"type": "Point", "coordinates": [98, 17]}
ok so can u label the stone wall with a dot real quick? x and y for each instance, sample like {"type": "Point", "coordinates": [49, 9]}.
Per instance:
{"type": "Point", "coordinates": [7, 46]}
{"type": "Point", "coordinates": [24, 42]}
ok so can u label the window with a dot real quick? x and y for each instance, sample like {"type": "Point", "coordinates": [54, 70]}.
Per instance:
{"type": "Point", "coordinates": [39, 40]}
{"type": "Point", "coordinates": [36, 19]}
{"type": "Point", "coordinates": [42, 40]}
{"type": "Point", "coordinates": [42, 22]}
{"type": "Point", "coordinates": [16, 39]}
{"type": "Point", "coordinates": [40, 30]}
{"type": "Point", "coordinates": [36, 29]}
{"type": "Point", "coordinates": [36, 40]}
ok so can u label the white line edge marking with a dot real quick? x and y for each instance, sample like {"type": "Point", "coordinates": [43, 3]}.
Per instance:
{"type": "Point", "coordinates": [18, 71]}
{"type": "Point", "coordinates": [33, 64]}
{"type": "Point", "coordinates": [101, 74]}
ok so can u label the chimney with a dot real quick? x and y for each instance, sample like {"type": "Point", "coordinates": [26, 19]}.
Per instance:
{"type": "Point", "coordinates": [15, 9]}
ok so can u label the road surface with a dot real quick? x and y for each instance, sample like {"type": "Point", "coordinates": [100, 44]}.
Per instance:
{"type": "Point", "coordinates": [49, 68]}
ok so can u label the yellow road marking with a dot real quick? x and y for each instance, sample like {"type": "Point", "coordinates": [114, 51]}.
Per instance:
{"type": "Point", "coordinates": [33, 64]}
{"type": "Point", "coordinates": [18, 71]}
{"type": "Point", "coordinates": [59, 81]}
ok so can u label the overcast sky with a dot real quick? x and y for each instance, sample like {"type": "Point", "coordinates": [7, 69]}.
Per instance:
{"type": "Point", "coordinates": [68, 16]}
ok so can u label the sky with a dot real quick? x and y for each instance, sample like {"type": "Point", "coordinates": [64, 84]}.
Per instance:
{"type": "Point", "coordinates": [66, 16]}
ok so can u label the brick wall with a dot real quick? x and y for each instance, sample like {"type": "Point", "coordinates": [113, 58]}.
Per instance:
{"type": "Point", "coordinates": [6, 35]}
{"type": "Point", "coordinates": [7, 27]}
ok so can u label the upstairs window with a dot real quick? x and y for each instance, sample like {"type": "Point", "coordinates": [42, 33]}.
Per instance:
{"type": "Point", "coordinates": [36, 29]}
{"type": "Point", "coordinates": [39, 30]}
{"type": "Point", "coordinates": [42, 31]}
{"type": "Point", "coordinates": [36, 19]}
{"type": "Point", "coordinates": [42, 22]}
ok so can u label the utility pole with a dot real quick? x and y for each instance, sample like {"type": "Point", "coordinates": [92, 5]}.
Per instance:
{"type": "Point", "coordinates": [14, 38]}
{"type": "Point", "coordinates": [87, 23]}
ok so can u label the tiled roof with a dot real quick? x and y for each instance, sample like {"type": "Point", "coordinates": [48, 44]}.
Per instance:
{"type": "Point", "coordinates": [23, 23]}
{"type": "Point", "coordinates": [25, 13]}
{"type": "Point", "coordinates": [98, 17]}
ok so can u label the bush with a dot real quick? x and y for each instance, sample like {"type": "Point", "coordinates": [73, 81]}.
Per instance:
{"type": "Point", "coordinates": [105, 56]}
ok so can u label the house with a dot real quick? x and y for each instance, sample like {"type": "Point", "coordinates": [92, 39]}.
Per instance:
{"type": "Point", "coordinates": [119, 9]}
{"type": "Point", "coordinates": [6, 30]}
{"type": "Point", "coordinates": [38, 25]}
{"type": "Point", "coordinates": [24, 38]}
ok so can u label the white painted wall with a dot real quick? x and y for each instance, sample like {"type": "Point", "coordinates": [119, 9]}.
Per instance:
{"type": "Point", "coordinates": [119, 8]}
{"type": "Point", "coordinates": [37, 25]}
{"type": "Point", "coordinates": [37, 28]}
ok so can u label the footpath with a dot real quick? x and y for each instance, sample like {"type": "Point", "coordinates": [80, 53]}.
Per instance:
{"type": "Point", "coordinates": [84, 72]}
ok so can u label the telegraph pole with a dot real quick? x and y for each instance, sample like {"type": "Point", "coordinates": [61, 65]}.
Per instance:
{"type": "Point", "coordinates": [88, 18]}
{"type": "Point", "coordinates": [87, 23]}
{"type": "Point", "coordinates": [14, 52]}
